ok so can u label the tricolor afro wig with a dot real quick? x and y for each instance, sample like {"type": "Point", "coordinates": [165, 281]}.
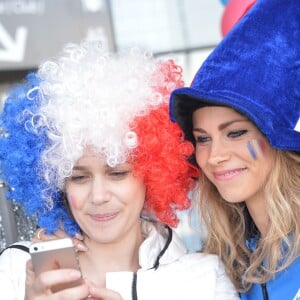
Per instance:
{"type": "Point", "coordinates": [118, 104]}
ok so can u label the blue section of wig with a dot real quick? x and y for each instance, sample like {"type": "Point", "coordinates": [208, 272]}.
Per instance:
{"type": "Point", "coordinates": [21, 145]}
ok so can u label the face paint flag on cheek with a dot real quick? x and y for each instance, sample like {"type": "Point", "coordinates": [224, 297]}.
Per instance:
{"type": "Point", "coordinates": [255, 149]}
{"type": "Point", "coordinates": [72, 201]}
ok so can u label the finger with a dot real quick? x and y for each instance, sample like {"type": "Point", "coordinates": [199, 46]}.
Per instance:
{"type": "Point", "coordinates": [30, 275]}
{"type": "Point", "coordinates": [30, 284]}
{"type": "Point", "coordinates": [79, 245]}
{"type": "Point", "coordinates": [75, 293]}
{"type": "Point", "coordinates": [78, 242]}
{"type": "Point", "coordinates": [40, 235]}
{"type": "Point", "coordinates": [77, 239]}
{"type": "Point", "coordinates": [60, 234]}
{"type": "Point", "coordinates": [49, 279]}
{"type": "Point", "coordinates": [78, 236]}
{"type": "Point", "coordinates": [78, 292]}
{"type": "Point", "coordinates": [103, 293]}
{"type": "Point", "coordinates": [29, 266]}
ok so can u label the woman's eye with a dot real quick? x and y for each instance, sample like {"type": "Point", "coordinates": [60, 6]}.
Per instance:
{"type": "Point", "coordinates": [237, 133]}
{"type": "Point", "coordinates": [77, 178]}
{"type": "Point", "coordinates": [202, 139]}
{"type": "Point", "coordinates": [119, 174]}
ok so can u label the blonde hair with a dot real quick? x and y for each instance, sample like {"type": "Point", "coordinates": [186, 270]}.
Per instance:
{"type": "Point", "coordinates": [228, 225]}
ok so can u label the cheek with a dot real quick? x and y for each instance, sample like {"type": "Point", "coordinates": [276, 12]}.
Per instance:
{"type": "Point", "coordinates": [263, 146]}
{"type": "Point", "coordinates": [257, 148]}
{"type": "Point", "coordinates": [201, 155]}
{"type": "Point", "coordinates": [268, 157]}
{"type": "Point", "coordinates": [135, 195]}
{"type": "Point", "coordinates": [73, 202]}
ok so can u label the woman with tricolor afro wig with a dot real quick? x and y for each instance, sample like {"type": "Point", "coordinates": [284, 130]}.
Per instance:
{"type": "Point", "coordinates": [88, 148]}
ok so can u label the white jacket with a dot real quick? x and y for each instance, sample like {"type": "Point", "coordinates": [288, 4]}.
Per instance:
{"type": "Point", "coordinates": [167, 272]}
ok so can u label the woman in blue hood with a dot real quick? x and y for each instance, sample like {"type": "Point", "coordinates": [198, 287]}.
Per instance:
{"type": "Point", "coordinates": [242, 114]}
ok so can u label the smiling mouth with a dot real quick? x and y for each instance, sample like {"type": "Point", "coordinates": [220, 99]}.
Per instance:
{"type": "Point", "coordinates": [228, 174]}
{"type": "Point", "coordinates": [103, 217]}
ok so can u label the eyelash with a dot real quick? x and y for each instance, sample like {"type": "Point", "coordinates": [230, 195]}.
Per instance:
{"type": "Point", "coordinates": [232, 134]}
{"type": "Point", "coordinates": [119, 174]}
{"type": "Point", "coordinates": [202, 139]}
{"type": "Point", "coordinates": [115, 174]}
{"type": "Point", "coordinates": [237, 133]}
{"type": "Point", "coordinates": [77, 177]}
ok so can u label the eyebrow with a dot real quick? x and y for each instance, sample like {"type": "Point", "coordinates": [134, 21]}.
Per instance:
{"type": "Point", "coordinates": [83, 167]}
{"type": "Point", "coordinates": [79, 168]}
{"type": "Point", "coordinates": [222, 126]}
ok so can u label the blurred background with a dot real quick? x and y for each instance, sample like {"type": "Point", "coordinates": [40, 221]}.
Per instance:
{"type": "Point", "coordinates": [34, 30]}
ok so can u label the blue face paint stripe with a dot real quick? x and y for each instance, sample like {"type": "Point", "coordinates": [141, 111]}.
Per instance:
{"type": "Point", "coordinates": [251, 150]}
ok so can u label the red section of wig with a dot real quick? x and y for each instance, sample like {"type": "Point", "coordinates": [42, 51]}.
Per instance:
{"type": "Point", "coordinates": [161, 157]}
{"type": "Point", "coordinates": [161, 160]}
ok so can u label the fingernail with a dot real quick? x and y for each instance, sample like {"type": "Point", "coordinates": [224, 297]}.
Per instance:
{"type": "Point", "coordinates": [91, 291]}
{"type": "Point", "coordinates": [81, 247]}
{"type": "Point", "coordinates": [78, 236]}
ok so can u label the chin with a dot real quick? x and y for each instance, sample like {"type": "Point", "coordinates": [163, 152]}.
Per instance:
{"type": "Point", "coordinates": [232, 198]}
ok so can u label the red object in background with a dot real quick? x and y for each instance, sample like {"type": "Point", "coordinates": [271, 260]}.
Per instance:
{"type": "Point", "coordinates": [233, 12]}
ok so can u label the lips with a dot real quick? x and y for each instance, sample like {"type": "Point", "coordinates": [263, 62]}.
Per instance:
{"type": "Point", "coordinates": [103, 217]}
{"type": "Point", "coordinates": [228, 174]}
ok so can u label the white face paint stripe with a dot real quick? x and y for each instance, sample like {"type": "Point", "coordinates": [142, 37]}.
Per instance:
{"type": "Point", "coordinates": [297, 127]}
{"type": "Point", "coordinates": [257, 147]}
{"type": "Point", "coordinates": [297, 296]}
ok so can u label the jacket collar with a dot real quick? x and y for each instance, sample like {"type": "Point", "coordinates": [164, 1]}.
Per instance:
{"type": "Point", "coordinates": [161, 245]}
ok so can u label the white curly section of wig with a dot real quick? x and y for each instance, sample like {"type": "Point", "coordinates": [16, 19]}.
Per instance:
{"type": "Point", "coordinates": [91, 99]}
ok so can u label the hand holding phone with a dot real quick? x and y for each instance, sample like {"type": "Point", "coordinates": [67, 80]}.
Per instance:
{"type": "Point", "coordinates": [55, 254]}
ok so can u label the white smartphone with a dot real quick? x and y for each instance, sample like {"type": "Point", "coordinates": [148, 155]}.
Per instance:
{"type": "Point", "coordinates": [55, 254]}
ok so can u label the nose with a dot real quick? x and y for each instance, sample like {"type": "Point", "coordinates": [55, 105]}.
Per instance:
{"type": "Point", "coordinates": [219, 152]}
{"type": "Point", "coordinates": [100, 193]}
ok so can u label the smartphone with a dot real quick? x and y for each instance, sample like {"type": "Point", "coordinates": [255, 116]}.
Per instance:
{"type": "Point", "coordinates": [55, 254]}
